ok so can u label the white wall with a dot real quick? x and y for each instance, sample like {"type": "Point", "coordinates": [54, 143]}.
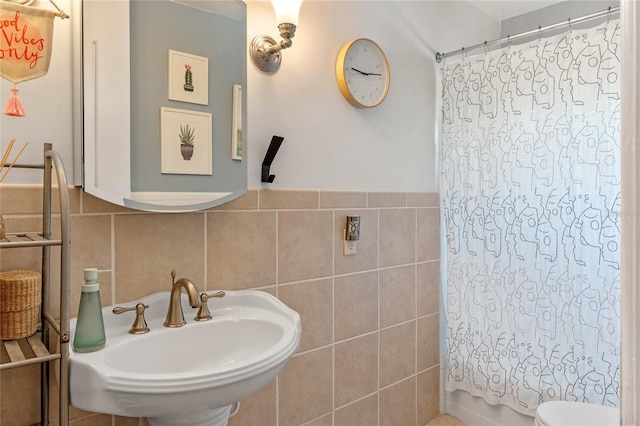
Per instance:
{"type": "Point", "coordinates": [328, 143]}
{"type": "Point", "coordinates": [48, 103]}
{"type": "Point", "coordinates": [630, 296]}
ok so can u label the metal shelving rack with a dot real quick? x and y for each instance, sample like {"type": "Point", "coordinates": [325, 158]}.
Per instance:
{"type": "Point", "coordinates": [37, 348]}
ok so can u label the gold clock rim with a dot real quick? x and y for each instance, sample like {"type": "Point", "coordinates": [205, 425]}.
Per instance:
{"type": "Point", "coordinates": [342, 81]}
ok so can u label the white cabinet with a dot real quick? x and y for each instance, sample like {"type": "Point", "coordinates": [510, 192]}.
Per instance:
{"type": "Point", "coordinates": [107, 115]}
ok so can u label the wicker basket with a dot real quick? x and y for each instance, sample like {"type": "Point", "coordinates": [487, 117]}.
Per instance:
{"type": "Point", "coordinates": [19, 303]}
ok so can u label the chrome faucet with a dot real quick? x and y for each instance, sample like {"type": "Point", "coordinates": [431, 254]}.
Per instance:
{"type": "Point", "coordinates": [175, 316]}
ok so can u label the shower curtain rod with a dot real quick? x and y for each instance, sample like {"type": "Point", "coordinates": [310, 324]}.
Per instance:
{"type": "Point", "coordinates": [539, 30]}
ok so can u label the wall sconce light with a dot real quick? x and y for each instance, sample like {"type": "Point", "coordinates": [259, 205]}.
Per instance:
{"type": "Point", "coordinates": [264, 50]}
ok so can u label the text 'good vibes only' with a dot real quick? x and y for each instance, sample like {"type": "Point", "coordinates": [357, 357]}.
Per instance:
{"type": "Point", "coordinates": [20, 41]}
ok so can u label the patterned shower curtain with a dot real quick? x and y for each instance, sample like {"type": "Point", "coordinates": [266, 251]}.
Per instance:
{"type": "Point", "coordinates": [530, 191]}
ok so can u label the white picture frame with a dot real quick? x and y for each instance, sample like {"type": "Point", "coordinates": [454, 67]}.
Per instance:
{"type": "Point", "coordinates": [236, 123]}
{"type": "Point", "coordinates": [188, 78]}
{"type": "Point", "coordinates": [176, 124]}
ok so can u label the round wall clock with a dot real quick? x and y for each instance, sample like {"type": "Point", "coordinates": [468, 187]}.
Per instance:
{"type": "Point", "coordinates": [362, 72]}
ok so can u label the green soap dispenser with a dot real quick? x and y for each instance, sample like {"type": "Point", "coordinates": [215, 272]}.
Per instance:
{"type": "Point", "coordinates": [89, 336]}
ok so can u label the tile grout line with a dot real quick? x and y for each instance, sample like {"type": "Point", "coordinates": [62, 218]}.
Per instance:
{"type": "Point", "coordinates": [204, 253]}
{"type": "Point", "coordinates": [277, 218]}
{"type": "Point", "coordinates": [112, 221]}
{"type": "Point", "coordinates": [378, 331]}
{"type": "Point", "coordinates": [333, 313]}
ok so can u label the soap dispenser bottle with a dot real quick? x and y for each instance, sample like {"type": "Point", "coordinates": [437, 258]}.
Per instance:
{"type": "Point", "coordinates": [89, 336]}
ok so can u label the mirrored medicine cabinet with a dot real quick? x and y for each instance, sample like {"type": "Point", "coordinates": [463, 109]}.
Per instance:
{"type": "Point", "coordinates": [159, 75]}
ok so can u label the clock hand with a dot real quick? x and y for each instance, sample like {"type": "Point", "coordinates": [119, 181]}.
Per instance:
{"type": "Point", "coordinates": [361, 72]}
{"type": "Point", "coordinates": [364, 73]}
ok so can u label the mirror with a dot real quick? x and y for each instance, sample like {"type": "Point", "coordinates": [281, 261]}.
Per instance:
{"type": "Point", "coordinates": [159, 75]}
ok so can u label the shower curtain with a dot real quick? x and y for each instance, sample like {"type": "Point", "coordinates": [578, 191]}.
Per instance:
{"type": "Point", "coordinates": [530, 192]}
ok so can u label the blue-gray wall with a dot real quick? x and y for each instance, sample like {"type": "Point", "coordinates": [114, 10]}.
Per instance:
{"type": "Point", "coordinates": [156, 27]}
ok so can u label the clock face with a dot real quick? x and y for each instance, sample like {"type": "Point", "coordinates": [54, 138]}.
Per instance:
{"type": "Point", "coordinates": [362, 71]}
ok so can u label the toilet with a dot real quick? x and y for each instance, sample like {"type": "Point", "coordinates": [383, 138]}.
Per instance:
{"type": "Point", "coordinates": [569, 413]}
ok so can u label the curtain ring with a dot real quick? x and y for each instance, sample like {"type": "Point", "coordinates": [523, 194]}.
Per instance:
{"type": "Point", "coordinates": [508, 40]}
{"type": "Point", "coordinates": [464, 54]}
{"type": "Point", "coordinates": [609, 14]}
{"type": "Point", "coordinates": [539, 32]}
{"type": "Point", "coordinates": [569, 22]}
{"type": "Point", "coordinates": [486, 51]}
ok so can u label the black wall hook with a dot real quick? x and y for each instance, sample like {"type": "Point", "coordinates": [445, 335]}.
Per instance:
{"type": "Point", "coordinates": [274, 146]}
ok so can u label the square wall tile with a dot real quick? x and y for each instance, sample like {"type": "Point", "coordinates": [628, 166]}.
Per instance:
{"type": "Point", "coordinates": [248, 201]}
{"type": "Point", "coordinates": [288, 199]}
{"type": "Point", "coordinates": [326, 420]}
{"type": "Point", "coordinates": [356, 368]}
{"type": "Point", "coordinates": [305, 245]}
{"type": "Point", "coordinates": [21, 199]}
{"type": "Point", "coordinates": [360, 413]}
{"type": "Point", "coordinates": [90, 248]}
{"type": "Point", "coordinates": [398, 404]}
{"type": "Point", "coordinates": [99, 420]}
{"type": "Point", "coordinates": [387, 199]}
{"type": "Point", "coordinates": [342, 199]}
{"type": "Point", "coordinates": [131, 421]}
{"type": "Point", "coordinates": [356, 305]}
{"type": "Point", "coordinates": [397, 295]}
{"type": "Point", "coordinates": [397, 353]}
{"type": "Point", "coordinates": [91, 244]}
{"type": "Point", "coordinates": [428, 385]}
{"type": "Point", "coordinates": [428, 341]}
{"type": "Point", "coordinates": [20, 396]}
{"type": "Point", "coordinates": [428, 234]}
{"type": "Point", "coordinates": [366, 257]}
{"type": "Point", "coordinates": [313, 300]}
{"type": "Point", "coordinates": [149, 246]}
{"type": "Point", "coordinates": [241, 249]}
{"type": "Point", "coordinates": [122, 421]}
{"type": "Point", "coordinates": [258, 408]}
{"type": "Point", "coordinates": [92, 204]}
{"type": "Point", "coordinates": [423, 199]}
{"type": "Point", "coordinates": [397, 237]}
{"type": "Point", "coordinates": [428, 287]}
{"type": "Point", "coordinates": [305, 387]}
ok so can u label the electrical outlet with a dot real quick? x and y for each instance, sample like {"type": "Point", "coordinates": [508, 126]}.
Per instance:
{"type": "Point", "coordinates": [349, 247]}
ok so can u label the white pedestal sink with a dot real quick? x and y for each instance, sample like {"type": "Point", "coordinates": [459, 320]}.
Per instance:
{"type": "Point", "coordinates": [189, 375]}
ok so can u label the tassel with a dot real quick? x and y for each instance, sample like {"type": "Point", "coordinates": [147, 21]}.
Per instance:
{"type": "Point", "coordinates": [14, 105]}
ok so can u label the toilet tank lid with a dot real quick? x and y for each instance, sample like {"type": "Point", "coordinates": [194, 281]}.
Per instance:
{"type": "Point", "coordinates": [569, 413]}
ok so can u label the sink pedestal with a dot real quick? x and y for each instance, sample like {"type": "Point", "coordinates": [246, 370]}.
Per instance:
{"type": "Point", "coordinates": [200, 417]}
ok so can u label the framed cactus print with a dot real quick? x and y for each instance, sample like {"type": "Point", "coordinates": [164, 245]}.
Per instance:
{"type": "Point", "coordinates": [185, 142]}
{"type": "Point", "coordinates": [188, 78]}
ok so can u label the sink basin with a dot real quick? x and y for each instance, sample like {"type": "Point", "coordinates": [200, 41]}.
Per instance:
{"type": "Point", "coordinates": [189, 375]}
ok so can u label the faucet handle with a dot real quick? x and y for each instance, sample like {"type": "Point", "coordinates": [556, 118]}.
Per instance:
{"type": "Point", "coordinates": [139, 324]}
{"type": "Point", "coordinates": [203, 313]}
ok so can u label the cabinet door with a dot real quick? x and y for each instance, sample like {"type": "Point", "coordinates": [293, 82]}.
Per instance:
{"type": "Point", "coordinates": [107, 127]}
